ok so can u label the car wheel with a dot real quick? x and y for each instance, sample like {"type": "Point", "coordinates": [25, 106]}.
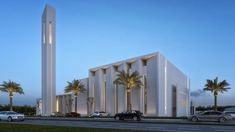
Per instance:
{"type": "Point", "coordinates": [222, 119]}
{"type": "Point", "coordinates": [9, 119]}
{"type": "Point", "coordinates": [117, 118]}
{"type": "Point", "coordinates": [135, 118]}
{"type": "Point", "coordinates": [194, 119]}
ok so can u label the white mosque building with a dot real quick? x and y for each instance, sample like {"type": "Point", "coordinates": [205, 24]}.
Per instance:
{"type": "Point", "coordinates": [165, 90]}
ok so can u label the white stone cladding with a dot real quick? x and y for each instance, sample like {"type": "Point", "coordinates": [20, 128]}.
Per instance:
{"type": "Point", "coordinates": [65, 103]}
{"type": "Point", "coordinates": [48, 61]}
{"type": "Point", "coordinates": [159, 100]}
{"type": "Point", "coordinates": [165, 91]}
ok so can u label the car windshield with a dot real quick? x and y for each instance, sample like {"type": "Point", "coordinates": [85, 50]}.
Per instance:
{"type": "Point", "coordinates": [11, 113]}
{"type": "Point", "coordinates": [200, 113]}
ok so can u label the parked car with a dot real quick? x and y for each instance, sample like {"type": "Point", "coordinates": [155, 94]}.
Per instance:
{"type": "Point", "coordinates": [210, 116]}
{"type": "Point", "coordinates": [99, 114]}
{"type": "Point", "coordinates": [133, 114]}
{"type": "Point", "coordinates": [72, 114]}
{"type": "Point", "coordinates": [11, 116]}
{"type": "Point", "coordinates": [57, 114]}
{"type": "Point", "coordinates": [232, 113]}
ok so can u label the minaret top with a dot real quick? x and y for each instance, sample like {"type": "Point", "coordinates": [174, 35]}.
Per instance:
{"type": "Point", "coordinates": [48, 10]}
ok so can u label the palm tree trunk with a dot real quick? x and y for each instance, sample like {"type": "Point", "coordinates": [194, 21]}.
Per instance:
{"type": "Point", "coordinates": [76, 100]}
{"type": "Point", "coordinates": [215, 103]}
{"type": "Point", "coordinates": [11, 103]}
{"type": "Point", "coordinates": [128, 100]}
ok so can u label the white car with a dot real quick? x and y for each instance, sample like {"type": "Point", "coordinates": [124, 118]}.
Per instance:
{"type": "Point", "coordinates": [11, 116]}
{"type": "Point", "coordinates": [232, 113]}
{"type": "Point", "coordinates": [99, 114]}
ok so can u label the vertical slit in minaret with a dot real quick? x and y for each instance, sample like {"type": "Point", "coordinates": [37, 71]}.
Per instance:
{"type": "Point", "coordinates": [44, 35]}
{"type": "Point", "coordinates": [50, 32]}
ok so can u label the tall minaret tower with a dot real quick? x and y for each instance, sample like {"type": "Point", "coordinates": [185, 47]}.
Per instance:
{"type": "Point", "coordinates": [48, 60]}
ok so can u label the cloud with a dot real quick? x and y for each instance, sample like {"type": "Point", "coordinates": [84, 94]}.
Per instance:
{"type": "Point", "coordinates": [197, 93]}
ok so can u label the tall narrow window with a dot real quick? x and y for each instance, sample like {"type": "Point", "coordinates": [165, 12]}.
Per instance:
{"type": "Point", "coordinates": [116, 99]}
{"type": "Point", "coordinates": [145, 95]}
{"type": "Point", "coordinates": [43, 33]}
{"type": "Point", "coordinates": [105, 96]}
{"type": "Point", "coordinates": [57, 104]}
{"type": "Point", "coordinates": [94, 95]}
{"type": "Point", "coordinates": [50, 32]}
{"type": "Point", "coordinates": [174, 101]}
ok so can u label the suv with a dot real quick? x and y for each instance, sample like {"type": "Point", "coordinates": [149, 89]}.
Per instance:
{"type": "Point", "coordinates": [210, 116]}
{"type": "Point", "coordinates": [133, 114]}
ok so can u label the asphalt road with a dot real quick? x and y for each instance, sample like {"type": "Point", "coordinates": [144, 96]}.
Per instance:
{"type": "Point", "coordinates": [133, 126]}
{"type": "Point", "coordinates": [144, 120]}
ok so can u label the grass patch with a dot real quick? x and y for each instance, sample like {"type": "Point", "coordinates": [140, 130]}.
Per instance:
{"type": "Point", "coordinates": [41, 128]}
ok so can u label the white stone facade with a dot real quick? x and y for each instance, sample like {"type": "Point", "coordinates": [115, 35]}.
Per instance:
{"type": "Point", "coordinates": [66, 103]}
{"type": "Point", "coordinates": [165, 91]}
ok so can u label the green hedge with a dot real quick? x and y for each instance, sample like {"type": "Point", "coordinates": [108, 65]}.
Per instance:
{"type": "Point", "coordinates": [27, 110]}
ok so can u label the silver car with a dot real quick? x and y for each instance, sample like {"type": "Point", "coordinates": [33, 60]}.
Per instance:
{"type": "Point", "coordinates": [232, 113]}
{"type": "Point", "coordinates": [210, 116]}
{"type": "Point", "coordinates": [100, 114]}
{"type": "Point", "coordinates": [11, 116]}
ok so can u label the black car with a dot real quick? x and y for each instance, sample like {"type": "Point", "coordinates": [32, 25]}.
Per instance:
{"type": "Point", "coordinates": [133, 114]}
{"type": "Point", "coordinates": [73, 114]}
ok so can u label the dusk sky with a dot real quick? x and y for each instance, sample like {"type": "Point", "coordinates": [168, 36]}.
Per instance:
{"type": "Point", "coordinates": [198, 36]}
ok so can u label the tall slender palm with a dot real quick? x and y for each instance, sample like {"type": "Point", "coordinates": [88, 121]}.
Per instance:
{"type": "Point", "coordinates": [129, 81]}
{"type": "Point", "coordinates": [215, 87]}
{"type": "Point", "coordinates": [75, 87]}
{"type": "Point", "coordinates": [11, 87]}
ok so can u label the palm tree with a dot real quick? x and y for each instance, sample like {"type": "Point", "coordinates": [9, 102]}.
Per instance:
{"type": "Point", "coordinates": [129, 81]}
{"type": "Point", "coordinates": [215, 87]}
{"type": "Point", "coordinates": [75, 87]}
{"type": "Point", "coordinates": [11, 87]}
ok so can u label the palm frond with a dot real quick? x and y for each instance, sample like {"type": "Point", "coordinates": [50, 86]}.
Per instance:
{"type": "Point", "coordinates": [75, 87]}
{"type": "Point", "coordinates": [215, 86]}
{"type": "Point", "coordinates": [11, 87]}
{"type": "Point", "coordinates": [128, 80]}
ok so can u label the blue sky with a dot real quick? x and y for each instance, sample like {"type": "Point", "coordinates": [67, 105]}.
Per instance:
{"type": "Point", "coordinates": [198, 36]}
